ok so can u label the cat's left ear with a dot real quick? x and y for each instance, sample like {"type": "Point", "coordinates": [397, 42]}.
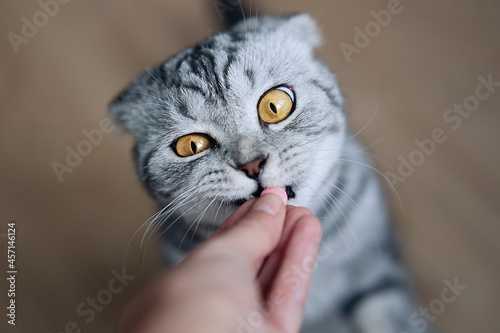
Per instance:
{"type": "Point", "coordinates": [130, 109]}
{"type": "Point", "coordinates": [303, 27]}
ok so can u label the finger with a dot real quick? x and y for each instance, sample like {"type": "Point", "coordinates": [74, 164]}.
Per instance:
{"type": "Point", "coordinates": [140, 310]}
{"type": "Point", "coordinates": [257, 234]}
{"type": "Point", "coordinates": [272, 263]}
{"type": "Point", "coordinates": [293, 277]}
{"type": "Point", "coordinates": [236, 216]}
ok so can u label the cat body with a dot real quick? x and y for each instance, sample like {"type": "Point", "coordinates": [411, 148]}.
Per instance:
{"type": "Point", "coordinates": [199, 120]}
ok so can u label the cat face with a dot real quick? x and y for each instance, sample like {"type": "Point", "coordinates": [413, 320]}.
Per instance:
{"type": "Point", "coordinates": [247, 109]}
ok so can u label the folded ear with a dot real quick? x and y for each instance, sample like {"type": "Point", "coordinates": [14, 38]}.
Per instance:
{"type": "Point", "coordinates": [132, 108]}
{"type": "Point", "coordinates": [303, 27]}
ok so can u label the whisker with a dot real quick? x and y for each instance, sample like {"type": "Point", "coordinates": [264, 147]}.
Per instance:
{"type": "Point", "coordinates": [327, 181]}
{"type": "Point", "coordinates": [171, 224]}
{"type": "Point", "coordinates": [198, 220]}
{"type": "Point", "coordinates": [374, 113]}
{"type": "Point", "coordinates": [148, 225]}
{"type": "Point", "coordinates": [383, 176]}
{"type": "Point", "coordinates": [372, 144]}
{"type": "Point", "coordinates": [166, 217]}
{"type": "Point", "coordinates": [324, 184]}
{"type": "Point", "coordinates": [169, 210]}
{"type": "Point", "coordinates": [212, 224]}
{"type": "Point", "coordinates": [161, 84]}
{"type": "Point", "coordinates": [330, 213]}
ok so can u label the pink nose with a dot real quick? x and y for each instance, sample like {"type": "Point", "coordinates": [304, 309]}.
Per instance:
{"type": "Point", "coordinates": [253, 168]}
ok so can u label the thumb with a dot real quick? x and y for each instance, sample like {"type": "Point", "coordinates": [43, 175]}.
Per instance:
{"type": "Point", "coordinates": [257, 234]}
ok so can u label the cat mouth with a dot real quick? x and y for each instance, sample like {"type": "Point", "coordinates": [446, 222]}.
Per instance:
{"type": "Point", "coordinates": [288, 189]}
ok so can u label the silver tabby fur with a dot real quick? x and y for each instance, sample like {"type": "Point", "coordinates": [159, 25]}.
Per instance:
{"type": "Point", "coordinates": [214, 88]}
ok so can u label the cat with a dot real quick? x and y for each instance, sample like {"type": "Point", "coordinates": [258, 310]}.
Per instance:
{"type": "Point", "coordinates": [251, 108]}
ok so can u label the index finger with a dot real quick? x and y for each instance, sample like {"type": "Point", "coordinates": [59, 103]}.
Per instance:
{"type": "Point", "coordinates": [257, 234]}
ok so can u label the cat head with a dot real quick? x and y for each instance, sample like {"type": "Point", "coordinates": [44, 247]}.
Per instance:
{"type": "Point", "coordinates": [247, 109]}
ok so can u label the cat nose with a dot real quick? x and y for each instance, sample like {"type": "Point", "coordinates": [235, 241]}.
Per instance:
{"type": "Point", "coordinates": [252, 169]}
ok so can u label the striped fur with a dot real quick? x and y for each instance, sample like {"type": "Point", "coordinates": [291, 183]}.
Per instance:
{"type": "Point", "coordinates": [214, 88]}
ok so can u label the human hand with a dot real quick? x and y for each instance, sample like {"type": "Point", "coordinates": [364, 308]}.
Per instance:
{"type": "Point", "coordinates": [251, 275]}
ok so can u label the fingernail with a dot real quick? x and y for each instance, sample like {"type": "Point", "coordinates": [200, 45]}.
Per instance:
{"type": "Point", "coordinates": [269, 203]}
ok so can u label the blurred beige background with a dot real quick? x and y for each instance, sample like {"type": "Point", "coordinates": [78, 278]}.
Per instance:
{"type": "Point", "coordinates": [72, 234]}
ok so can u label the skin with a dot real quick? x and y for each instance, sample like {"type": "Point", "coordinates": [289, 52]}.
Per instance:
{"type": "Point", "coordinates": [254, 271]}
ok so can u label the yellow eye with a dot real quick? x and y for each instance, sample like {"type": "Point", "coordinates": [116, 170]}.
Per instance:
{"type": "Point", "coordinates": [276, 105]}
{"type": "Point", "coordinates": [191, 144]}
